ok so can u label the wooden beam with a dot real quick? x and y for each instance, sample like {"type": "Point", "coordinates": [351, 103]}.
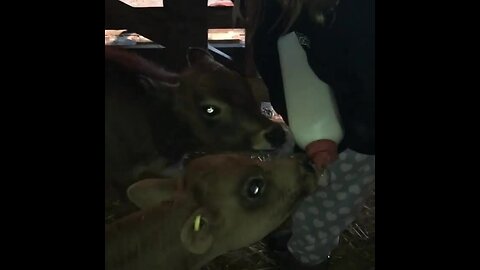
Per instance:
{"type": "Point", "coordinates": [250, 68]}
{"type": "Point", "coordinates": [178, 25]}
{"type": "Point", "coordinates": [221, 17]}
{"type": "Point", "coordinates": [119, 15]}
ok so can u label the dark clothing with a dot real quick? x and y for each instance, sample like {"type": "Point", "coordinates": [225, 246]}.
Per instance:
{"type": "Point", "coordinates": [341, 54]}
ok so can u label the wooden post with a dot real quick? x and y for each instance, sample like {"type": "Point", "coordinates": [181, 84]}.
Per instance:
{"type": "Point", "coordinates": [250, 69]}
{"type": "Point", "coordinates": [187, 28]}
{"type": "Point", "coordinates": [144, 21]}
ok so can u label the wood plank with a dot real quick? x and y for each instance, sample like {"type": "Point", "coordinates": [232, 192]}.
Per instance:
{"type": "Point", "coordinates": [221, 17]}
{"type": "Point", "coordinates": [250, 68]}
{"type": "Point", "coordinates": [178, 25]}
{"type": "Point", "coordinates": [119, 15]}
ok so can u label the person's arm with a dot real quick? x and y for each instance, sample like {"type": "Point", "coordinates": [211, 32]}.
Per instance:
{"type": "Point", "coordinates": [311, 106]}
{"type": "Point", "coordinates": [358, 88]}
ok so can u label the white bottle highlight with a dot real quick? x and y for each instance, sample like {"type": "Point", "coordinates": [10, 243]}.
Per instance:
{"type": "Point", "coordinates": [311, 106]}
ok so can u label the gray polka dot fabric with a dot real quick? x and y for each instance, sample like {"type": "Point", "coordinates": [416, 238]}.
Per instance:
{"type": "Point", "coordinates": [322, 217]}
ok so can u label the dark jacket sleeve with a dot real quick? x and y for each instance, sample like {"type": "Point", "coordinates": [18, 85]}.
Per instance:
{"type": "Point", "coordinates": [359, 26]}
{"type": "Point", "coordinates": [343, 56]}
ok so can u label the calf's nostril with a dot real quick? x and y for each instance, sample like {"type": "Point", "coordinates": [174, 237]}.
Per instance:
{"type": "Point", "coordinates": [276, 136]}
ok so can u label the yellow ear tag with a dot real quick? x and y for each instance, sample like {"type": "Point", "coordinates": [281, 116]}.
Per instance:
{"type": "Point", "coordinates": [196, 224]}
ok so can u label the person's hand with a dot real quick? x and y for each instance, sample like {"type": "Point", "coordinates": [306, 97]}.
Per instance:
{"type": "Point", "coordinates": [322, 153]}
